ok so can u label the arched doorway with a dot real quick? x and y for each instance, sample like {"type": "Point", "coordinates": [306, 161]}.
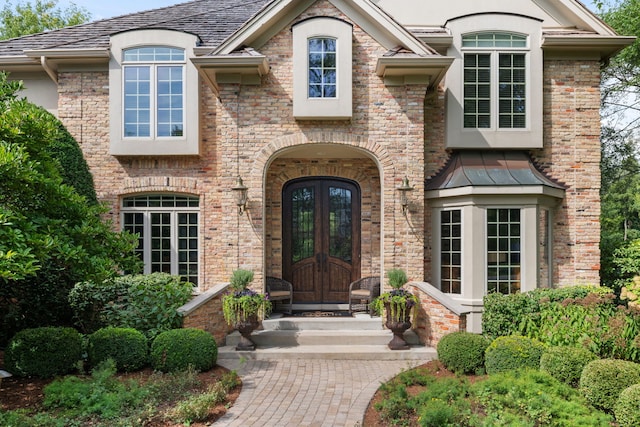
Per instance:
{"type": "Point", "coordinates": [321, 230]}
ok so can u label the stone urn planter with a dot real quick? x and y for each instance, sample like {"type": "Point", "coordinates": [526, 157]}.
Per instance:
{"type": "Point", "coordinates": [246, 327]}
{"type": "Point", "coordinates": [244, 308]}
{"type": "Point", "coordinates": [398, 304]}
{"type": "Point", "coordinates": [397, 325]}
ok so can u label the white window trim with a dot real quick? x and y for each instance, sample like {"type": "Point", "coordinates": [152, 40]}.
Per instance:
{"type": "Point", "coordinates": [189, 142]}
{"type": "Point", "coordinates": [458, 137]}
{"type": "Point", "coordinates": [339, 107]}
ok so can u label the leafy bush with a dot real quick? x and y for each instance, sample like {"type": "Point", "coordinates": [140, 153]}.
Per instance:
{"type": "Point", "coordinates": [44, 352]}
{"type": "Point", "coordinates": [533, 398]}
{"type": "Point", "coordinates": [513, 352]}
{"type": "Point", "coordinates": [102, 395]}
{"type": "Point", "coordinates": [627, 408]}
{"type": "Point", "coordinates": [147, 303]}
{"type": "Point", "coordinates": [463, 352]}
{"type": "Point", "coordinates": [126, 346]}
{"type": "Point", "coordinates": [500, 310]}
{"type": "Point", "coordinates": [566, 363]}
{"type": "Point", "coordinates": [178, 349]}
{"type": "Point", "coordinates": [196, 408]}
{"type": "Point", "coordinates": [580, 316]}
{"type": "Point", "coordinates": [50, 237]}
{"type": "Point", "coordinates": [603, 380]}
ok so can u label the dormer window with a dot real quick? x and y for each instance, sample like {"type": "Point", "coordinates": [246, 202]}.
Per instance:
{"type": "Point", "coordinates": [495, 88]}
{"type": "Point", "coordinates": [153, 92]}
{"type": "Point", "coordinates": [154, 107]}
{"type": "Point", "coordinates": [322, 68]}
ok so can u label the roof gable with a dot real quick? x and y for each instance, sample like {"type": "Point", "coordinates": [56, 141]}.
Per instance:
{"type": "Point", "coordinates": [364, 13]}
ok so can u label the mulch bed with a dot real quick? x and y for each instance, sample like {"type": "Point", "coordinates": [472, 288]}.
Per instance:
{"type": "Point", "coordinates": [27, 393]}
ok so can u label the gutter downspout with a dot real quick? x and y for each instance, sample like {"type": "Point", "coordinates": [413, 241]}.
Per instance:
{"type": "Point", "coordinates": [47, 68]}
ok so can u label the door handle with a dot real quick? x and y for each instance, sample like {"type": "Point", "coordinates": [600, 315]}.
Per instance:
{"type": "Point", "coordinates": [324, 261]}
{"type": "Point", "coordinates": [319, 261]}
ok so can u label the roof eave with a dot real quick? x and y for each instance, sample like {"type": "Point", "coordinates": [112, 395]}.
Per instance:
{"type": "Point", "coordinates": [604, 46]}
{"type": "Point", "coordinates": [433, 67]}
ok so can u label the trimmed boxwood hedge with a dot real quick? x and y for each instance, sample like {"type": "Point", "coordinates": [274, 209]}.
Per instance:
{"type": "Point", "coordinates": [627, 408]}
{"type": "Point", "coordinates": [43, 352]}
{"type": "Point", "coordinates": [178, 349]}
{"type": "Point", "coordinates": [513, 352]}
{"type": "Point", "coordinates": [463, 352]}
{"type": "Point", "coordinates": [128, 348]}
{"type": "Point", "coordinates": [603, 380]}
{"type": "Point", "coordinates": [565, 363]}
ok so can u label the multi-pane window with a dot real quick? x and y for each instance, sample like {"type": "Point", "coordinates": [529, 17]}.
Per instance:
{"type": "Point", "coordinates": [322, 67]}
{"type": "Point", "coordinates": [154, 99]}
{"type": "Point", "coordinates": [167, 228]}
{"type": "Point", "coordinates": [450, 251]}
{"type": "Point", "coordinates": [503, 250]}
{"type": "Point", "coordinates": [495, 82]}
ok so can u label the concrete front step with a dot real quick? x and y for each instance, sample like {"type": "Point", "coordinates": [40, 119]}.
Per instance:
{"type": "Point", "coordinates": [334, 352]}
{"type": "Point", "coordinates": [360, 323]}
{"type": "Point", "coordinates": [353, 338]}
{"type": "Point", "coordinates": [293, 338]}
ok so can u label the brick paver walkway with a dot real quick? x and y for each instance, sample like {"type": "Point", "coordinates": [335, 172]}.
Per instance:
{"type": "Point", "coordinates": [311, 392]}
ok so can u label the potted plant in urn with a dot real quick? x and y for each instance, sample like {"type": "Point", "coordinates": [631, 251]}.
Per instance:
{"type": "Point", "coordinates": [243, 308]}
{"type": "Point", "coordinates": [398, 304]}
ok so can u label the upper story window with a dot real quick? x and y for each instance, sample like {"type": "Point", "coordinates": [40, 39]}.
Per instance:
{"type": "Point", "coordinates": [153, 92]}
{"type": "Point", "coordinates": [154, 102]}
{"type": "Point", "coordinates": [322, 68]}
{"type": "Point", "coordinates": [494, 88]}
{"type": "Point", "coordinates": [494, 78]}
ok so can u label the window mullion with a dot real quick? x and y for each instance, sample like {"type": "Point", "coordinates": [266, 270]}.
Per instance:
{"type": "Point", "coordinates": [147, 242]}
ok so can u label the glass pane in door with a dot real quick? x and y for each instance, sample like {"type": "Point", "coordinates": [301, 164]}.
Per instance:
{"type": "Point", "coordinates": [340, 218]}
{"type": "Point", "coordinates": [302, 221]}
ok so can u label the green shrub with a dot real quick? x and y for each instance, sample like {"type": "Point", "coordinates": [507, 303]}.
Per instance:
{"type": "Point", "coordinates": [602, 381]}
{"type": "Point", "coordinates": [513, 352]}
{"type": "Point", "coordinates": [102, 395]}
{"type": "Point", "coordinates": [463, 352]}
{"type": "Point", "coordinates": [531, 397]}
{"type": "Point", "coordinates": [196, 408]}
{"type": "Point", "coordinates": [500, 310]}
{"type": "Point", "coordinates": [126, 346]}
{"type": "Point", "coordinates": [146, 302]}
{"type": "Point", "coordinates": [44, 352]}
{"type": "Point", "coordinates": [513, 314]}
{"type": "Point", "coordinates": [566, 363]}
{"type": "Point", "coordinates": [627, 408]}
{"type": "Point", "coordinates": [179, 349]}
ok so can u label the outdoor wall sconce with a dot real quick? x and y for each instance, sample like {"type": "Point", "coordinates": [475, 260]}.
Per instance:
{"type": "Point", "coordinates": [240, 191]}
{"type": "Point", "coordinates": [404, 189]}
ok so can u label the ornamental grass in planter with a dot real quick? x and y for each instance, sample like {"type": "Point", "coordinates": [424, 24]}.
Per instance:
{"type": "Point", "coordinates": [244, 308]}
{"type": "Point", "coordinates": [398, 305]}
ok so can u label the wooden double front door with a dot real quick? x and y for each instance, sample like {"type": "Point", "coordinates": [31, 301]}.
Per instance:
{"type": "Point", "coordinates": [321, 238]}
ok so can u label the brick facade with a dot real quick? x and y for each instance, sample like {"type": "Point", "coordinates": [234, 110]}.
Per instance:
{"type": "Point", "coordinates": [395, 131]}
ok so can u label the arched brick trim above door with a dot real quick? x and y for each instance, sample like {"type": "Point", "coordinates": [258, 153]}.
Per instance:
{"type": "Point", "coordinates": [375, 150]}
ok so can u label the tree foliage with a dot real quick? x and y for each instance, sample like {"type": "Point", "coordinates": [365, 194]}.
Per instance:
{"type": "Point", "coordinates": [620, 195]}
{"type": "Point", "coordinates": [30, 18]}
{"type": "Point", "coordinates": [51, 237]}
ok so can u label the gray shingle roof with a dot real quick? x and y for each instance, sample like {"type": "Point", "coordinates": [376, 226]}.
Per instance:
{"type": "Point", "coordinates": [211, 20]}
